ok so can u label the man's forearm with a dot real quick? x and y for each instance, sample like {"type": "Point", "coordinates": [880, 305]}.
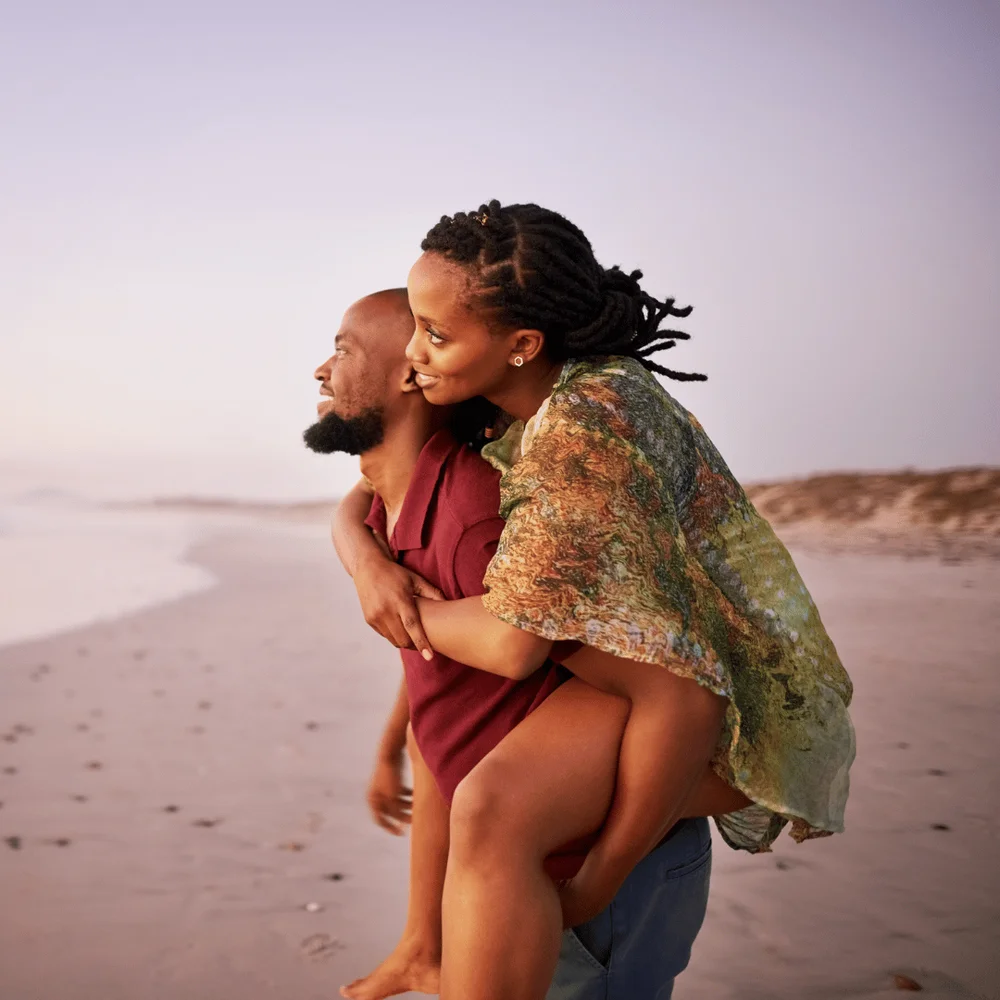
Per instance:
{"type": "Point", "coordinates": [393, 741]}
{"type": "Point", "coordinates": [466, 632]}
{"type": "Point", "coordinates": [351, 537]}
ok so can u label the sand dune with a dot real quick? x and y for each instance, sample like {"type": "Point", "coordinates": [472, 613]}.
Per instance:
{"type": "Point", "coordinates": [953, 512]}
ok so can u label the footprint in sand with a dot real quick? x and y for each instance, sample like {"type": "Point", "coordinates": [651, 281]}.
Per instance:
{"type": "Point", "coordinates": [79, 798]}
{"type": "Point", "coordinates": [59, 842]}
{"type": "Point", "coordinates": [94, 765]}
{"type": "Point", "coordinates": [10, 770]}
{"type": "Point", "coordinates": [320, 946]}
{"type": "Point", "coordinates": [936, 771]}
{"type": "Point", "coordinates": [335, 877]}
{"type": "Point", "coordinates": [197, 730]}
{"type": "Point", "coordinates": [82, 727]}
{"type": "Point", "coordinates": [204, 705]}
{"type": "Point", "coordinates": [207, 823]}
{"type": "Point", "coordinates": [312, 725]}
{"type": "Point", "coordinates": [14, 843]}
{"type": "Point", "coordinates": [171, 809]}
{"type": "Point", "coordinates": [9, 737]}
{"type": "Point", "coordinates": [291, 845]}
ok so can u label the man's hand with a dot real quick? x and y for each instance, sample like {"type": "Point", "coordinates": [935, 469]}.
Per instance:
{"type": "Point", "coordinates": [388, 592]}
{"type": "Point", "coordinates": [587, 893]}
{"type": "Point", "coordinates": [389, 800]}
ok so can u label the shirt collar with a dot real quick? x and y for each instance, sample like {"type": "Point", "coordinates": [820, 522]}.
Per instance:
{"type": "Point", "coordinates": [411, 527]}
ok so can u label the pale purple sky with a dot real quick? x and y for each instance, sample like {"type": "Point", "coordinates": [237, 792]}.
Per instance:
{"type": "Point", "coordinates": [191, 194]}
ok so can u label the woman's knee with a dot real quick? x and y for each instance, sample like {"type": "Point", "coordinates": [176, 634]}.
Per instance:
{"type": "Point", "coordinates": [487, 813]}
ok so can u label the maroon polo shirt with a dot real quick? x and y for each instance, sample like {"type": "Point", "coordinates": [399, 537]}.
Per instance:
{"type": "Point", "coordinates": [447, 531]}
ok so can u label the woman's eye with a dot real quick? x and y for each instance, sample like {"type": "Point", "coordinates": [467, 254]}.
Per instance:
{"type": "Point", "coordinates": [434, 338]}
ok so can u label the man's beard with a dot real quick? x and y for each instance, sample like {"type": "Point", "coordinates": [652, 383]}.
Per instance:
{"type": "Point", "coordinates": [354, 435]}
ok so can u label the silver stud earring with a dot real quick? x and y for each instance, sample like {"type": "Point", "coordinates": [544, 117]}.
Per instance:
{"type": "Point", "coordinates": [518, 361]}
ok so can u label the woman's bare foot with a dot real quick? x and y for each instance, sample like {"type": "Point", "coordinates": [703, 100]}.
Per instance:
{"type": "Point", "coordinates": [409, 967]}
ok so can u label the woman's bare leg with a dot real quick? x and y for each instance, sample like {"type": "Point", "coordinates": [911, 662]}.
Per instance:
{"type": "Point", "coordinates": [415, 963]}
{"type": "Point", "coordinates": [713, 797]}
{"type": "Point", "coordinates": [548, 782]}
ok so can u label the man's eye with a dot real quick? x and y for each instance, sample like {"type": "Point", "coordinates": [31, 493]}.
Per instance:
{"type": "Point", "coordinates": [433, 337]}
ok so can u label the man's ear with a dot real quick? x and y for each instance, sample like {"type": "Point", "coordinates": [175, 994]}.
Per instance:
{"type": "Point", "coordinates": [408, 382]}
{"type": "Point", "coordinates": [526, 344]}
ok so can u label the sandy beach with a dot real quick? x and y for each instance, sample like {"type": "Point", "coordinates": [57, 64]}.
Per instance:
{"type": "Point", "coordinates": [182, 814]}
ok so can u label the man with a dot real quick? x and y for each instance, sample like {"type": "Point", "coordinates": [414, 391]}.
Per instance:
{"type": "Point", "coordinates": [435, 505]}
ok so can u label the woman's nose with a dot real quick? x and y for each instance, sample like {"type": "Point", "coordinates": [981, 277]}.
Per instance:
{"type": "Point", "coordinates": [414, 349]}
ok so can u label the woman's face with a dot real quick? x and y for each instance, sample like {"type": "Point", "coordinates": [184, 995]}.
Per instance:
{"type": "Point", "coordinates": [453, 352]}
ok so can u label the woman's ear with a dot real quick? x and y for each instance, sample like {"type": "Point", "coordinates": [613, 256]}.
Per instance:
{"type": "Point", "coordinates": [527, 344]}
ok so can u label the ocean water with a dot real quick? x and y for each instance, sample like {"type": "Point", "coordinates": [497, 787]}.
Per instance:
{"type": "Point", "coordinates": [66, 563]}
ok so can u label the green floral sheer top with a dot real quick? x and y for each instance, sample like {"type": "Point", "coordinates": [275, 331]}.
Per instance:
{"type": "Point", "coordinates": [627, 532]}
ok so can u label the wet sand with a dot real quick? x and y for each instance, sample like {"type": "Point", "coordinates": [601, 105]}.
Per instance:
{"type": "Point", "coordinates": [177, 786]}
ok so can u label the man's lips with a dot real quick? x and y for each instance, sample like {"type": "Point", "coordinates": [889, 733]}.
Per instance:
{"type": "Point", "coordinates": [326, 402]}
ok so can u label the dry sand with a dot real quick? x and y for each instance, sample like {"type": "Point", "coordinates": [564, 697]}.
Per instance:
{"type": "Point", "coordinates": [178, 785]}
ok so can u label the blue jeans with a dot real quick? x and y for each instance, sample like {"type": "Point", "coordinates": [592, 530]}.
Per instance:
{"type": "Point", "coordinates": [635, 948]}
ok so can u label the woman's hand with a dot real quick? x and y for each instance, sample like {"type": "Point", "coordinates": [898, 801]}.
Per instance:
{"type": "Point", "coordinates": [586, 894]}
{"type": "Point", "coordinates": [388, 592]}
{"type": "Point", "coordinates": [389, 800]}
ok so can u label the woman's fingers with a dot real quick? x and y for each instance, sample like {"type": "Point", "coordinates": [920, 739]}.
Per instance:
{"type": "Point", "coordinates": [421, 588]}
{"type": "Point", "coordinates": [415, 632]}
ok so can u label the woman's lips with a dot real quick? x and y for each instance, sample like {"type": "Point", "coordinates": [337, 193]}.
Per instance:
{"type": "Point", "coordinates": [425, 381]}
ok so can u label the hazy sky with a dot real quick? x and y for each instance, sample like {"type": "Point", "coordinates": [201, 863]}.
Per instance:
{"type": "Point", "coordinates": [192, 193]}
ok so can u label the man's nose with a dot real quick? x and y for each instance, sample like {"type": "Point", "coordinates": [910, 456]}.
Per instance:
{"type": "Point", "coordinates": [323, 372]}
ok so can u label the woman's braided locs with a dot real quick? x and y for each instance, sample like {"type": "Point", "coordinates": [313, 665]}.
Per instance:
{"type": "Point", "coordinates": [536, 270]}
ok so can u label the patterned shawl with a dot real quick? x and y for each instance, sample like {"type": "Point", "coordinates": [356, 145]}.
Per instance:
{"type": "Point", "coordinates": [626, 531]}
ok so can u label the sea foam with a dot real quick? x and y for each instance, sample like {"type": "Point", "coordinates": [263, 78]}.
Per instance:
{"type": "Point", "coordinates": [64, 564]}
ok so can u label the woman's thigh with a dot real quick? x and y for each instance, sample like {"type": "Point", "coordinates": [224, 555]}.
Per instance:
{"type": "Point", "coordinates": [552, 777]}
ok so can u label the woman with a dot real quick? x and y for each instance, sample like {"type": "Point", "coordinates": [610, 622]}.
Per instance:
{"type": "Point", "coordinates": [625, 532]}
